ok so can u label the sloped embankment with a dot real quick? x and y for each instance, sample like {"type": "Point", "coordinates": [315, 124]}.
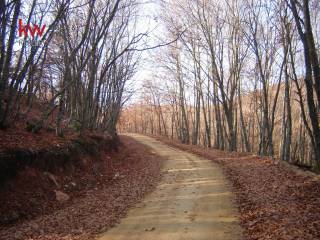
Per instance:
{"type": "Point", "coordinates": [51, 158]}
{"type": "Point", "coordinates": [84, 195]}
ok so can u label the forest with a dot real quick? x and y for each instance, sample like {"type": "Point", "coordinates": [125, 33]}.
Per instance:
{"type": "Point", "coordinates": [78, 68]}
{"type": "Point", "coordinates": [161, 119]}
{"type": "Point", "coordinates": [243, 76]}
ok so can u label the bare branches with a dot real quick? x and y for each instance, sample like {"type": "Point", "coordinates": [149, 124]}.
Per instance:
{"type": "Point", "coordinates": [228, 77]}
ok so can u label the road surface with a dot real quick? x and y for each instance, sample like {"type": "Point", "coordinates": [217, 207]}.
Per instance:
{"type": "Point", "coordinates": [192, 201]}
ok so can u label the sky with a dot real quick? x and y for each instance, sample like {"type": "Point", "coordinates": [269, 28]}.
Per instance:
{"type": "Point", "coordinates": [147, 22]}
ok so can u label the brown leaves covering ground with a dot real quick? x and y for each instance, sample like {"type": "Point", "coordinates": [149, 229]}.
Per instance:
{"type": "Point", "coordinates": [275, 201]}
{"type": "Point", "coordinates": [101, 197]}
{"type": "Point", "coordinates": [18, 137]}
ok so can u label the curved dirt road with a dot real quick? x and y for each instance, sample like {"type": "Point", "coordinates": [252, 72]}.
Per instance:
{"type": "Point", "coordinates": [192, 201]}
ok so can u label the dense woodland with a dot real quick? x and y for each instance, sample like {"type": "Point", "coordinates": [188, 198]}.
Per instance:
{"type": "Point", "coordinates": [243, 76]}
{"type": "Point", "coordinates": [78, 68]}
{"type": "Point", "coordinates": [239, 75]}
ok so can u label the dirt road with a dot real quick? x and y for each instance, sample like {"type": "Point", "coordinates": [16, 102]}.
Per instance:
{"type": "Point", "coordinates": [192, 201]}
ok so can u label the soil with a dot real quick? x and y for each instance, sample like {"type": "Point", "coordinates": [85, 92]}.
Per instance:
{"type": "Point", "coordinates": [98, 194]}
{"type": "Point", "coordinates": [192, 201]}
{"type": "Point", "coordinates": [202, 193]}
{"type": "Point", "coordinates": [276, 200]}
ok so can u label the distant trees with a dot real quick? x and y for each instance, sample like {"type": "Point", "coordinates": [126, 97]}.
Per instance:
{"type": "Point", "coordinates": [236, 80]}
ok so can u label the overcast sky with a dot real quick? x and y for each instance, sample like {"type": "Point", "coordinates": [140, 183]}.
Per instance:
{"type": "Point", "coordinates": [147, 22]}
